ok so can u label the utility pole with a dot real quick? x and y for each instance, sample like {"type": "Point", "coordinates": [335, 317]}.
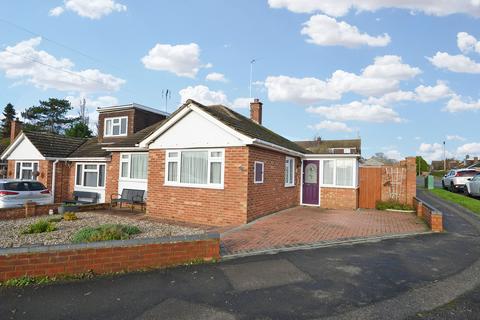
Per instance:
{"type": "Point", "coordinates": [444, 157]}
{"type": "Point", "coordinates": [167, 94]}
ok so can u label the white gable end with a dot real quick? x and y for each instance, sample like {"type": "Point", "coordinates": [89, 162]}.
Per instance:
{"type": "Point", "coordinates": [195, 131]}
{"type": "Point", "coordinates": [25, 150]}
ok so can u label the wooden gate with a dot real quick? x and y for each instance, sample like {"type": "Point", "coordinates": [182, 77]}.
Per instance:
{"type": "Point", "coordinates": [370, 188]}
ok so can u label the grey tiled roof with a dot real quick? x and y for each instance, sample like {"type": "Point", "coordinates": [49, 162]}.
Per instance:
{"type": "Point", "coordinates": [134, 139]}
{"type": "Point", "coordinates": [248, 127]}
{"type": "Point", "coordinates": [323, 146]}
{"type": "Point", "coordinates": [90, 149]}
{"type": "Point", "coordinates": [52, 145]}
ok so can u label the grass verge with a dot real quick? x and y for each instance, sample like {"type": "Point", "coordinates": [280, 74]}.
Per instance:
{"type": "Point", "coordinates": [466, 202]}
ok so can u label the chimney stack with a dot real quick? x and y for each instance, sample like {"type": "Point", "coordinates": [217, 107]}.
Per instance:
{"type": "Point", "coordinates": [256, 111]}
{"type": "Point", "coordinates": [15, 128]}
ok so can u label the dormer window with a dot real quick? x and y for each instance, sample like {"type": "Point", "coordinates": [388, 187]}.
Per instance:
{"type": "Point", "coordinates": [115, 127]}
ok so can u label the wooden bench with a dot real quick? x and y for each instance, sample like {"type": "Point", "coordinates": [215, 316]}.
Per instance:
{"type": "Point", "coordinates": [129, 196]}
{"type": "Point", "coordinates": [92, 197]}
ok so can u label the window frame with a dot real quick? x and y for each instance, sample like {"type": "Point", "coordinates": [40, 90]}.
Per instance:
{"type": "Point", "coordinates": [334, 184]}
{"type": "Point", "coordinates": [292, 183]}
{"type": "Point", "coordinates": [97, 170]}
{"type": "Point", "coordinates": [210, 159]}
{"type": "Point", "coordinates": [255, 172]}
{"type": "Point", "coordinates": [119, 125]}
{"type": "Point", "coordinates": [20, 176]}
{"type": "Point", "coordinates": [129, 161]}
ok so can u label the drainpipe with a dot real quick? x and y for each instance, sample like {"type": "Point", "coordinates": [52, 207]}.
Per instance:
{"type": "Point", "coordinates": [53, 178]}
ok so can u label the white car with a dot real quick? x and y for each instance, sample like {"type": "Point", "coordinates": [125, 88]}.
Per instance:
{"type": "Point", "coordinates": [15, 193]}
{"type": "Point", "coordinates": [457, 178]}
{"type": "Point", "coordinates": [472, 187]}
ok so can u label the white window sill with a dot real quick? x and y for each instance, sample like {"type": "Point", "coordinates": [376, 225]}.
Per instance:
{"type": "Point", "coordinates": [289, 185]}
{"type": "Point", "coordinates": [132, 180]}
{"type": "Point", "coordinates": [85, 187]}
{"type": "Point", "coordinates": [115, 136]}
{"type": "Point", "coordinates": [196, 186]}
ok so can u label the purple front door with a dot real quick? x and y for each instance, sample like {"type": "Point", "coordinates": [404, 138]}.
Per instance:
{"type": "Point", "coordinates": [310, 182]}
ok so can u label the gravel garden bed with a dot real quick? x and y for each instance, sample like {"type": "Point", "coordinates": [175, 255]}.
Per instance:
{"type": "Point", "coordinates": [11, 230]}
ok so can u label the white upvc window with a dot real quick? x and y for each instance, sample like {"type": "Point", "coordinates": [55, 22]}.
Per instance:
{"type": "Point", "coordinates": [24, 170]}
{"type": "Point", "coordinates": [258, 171]}
{"type": "Point", "coordinates": [115, 127]}
{"type": "Point", "coordinates": [289, 172]}
{"type": "Point", "coordinates": [90, 175]}
{"type": "Point", "coordinates": [202, 168]}
{"type": "Point", "coordinates": [134, 166]}
{"type": "Point", "coordinates": [338, 172]}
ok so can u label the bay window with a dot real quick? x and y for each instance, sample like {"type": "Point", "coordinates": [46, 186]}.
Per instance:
{"type": "Point", "coordinates": [289, 172]}
{"type": "Point", "coordinates": [90, 175]}
{"type": "Point", "coordinates": [133, 166]}
{"type": "Point", "coordinates": [115, 127]}
{"type": "Point", "coordinates": [338, 172]}
{"type": "Point", "coordinates": [25, 169]}
{"type": "Point", "coordinates": [202, 168]}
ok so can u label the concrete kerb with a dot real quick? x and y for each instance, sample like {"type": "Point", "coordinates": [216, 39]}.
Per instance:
{"type": "Point", "coordinates": [425, 298]}
{"type": "Point", "coordinates": [322, 244]}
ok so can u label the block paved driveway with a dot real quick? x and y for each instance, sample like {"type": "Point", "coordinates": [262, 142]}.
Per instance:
{"type": "Point", "coordinates": [309, 225]}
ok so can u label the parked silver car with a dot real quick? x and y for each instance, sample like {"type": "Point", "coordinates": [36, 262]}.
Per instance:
{"type": "Point", "coordinates": [472, 187]}
{"type": "Point", "coordinates": [457, 178]}
{"type": "Point", "coordinates": [15, 193]}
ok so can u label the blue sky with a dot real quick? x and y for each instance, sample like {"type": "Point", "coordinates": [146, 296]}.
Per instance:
{"type": "Point", "coordinates": [403, 77]}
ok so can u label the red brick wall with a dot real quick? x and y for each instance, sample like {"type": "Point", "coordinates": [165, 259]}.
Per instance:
{"type": "Point", "coordinates": [338, 198]}
{"type": "Point", "coordinates": [200, 205]}
{"type": "Point", "coordinates": [433, 218]}
{"type": "Point", "coordinates": [271, 195]}
{"type": "Point", "coordinates": [106, 260]}
{"type": "Point", "coordinates": [111, 183]}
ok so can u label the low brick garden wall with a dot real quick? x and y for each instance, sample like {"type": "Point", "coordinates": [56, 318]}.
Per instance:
{"type": "Point", "coordinates": [108, 256]}
{"type": "Point", "coordinates": [432, 216]}
{"type": "Point", "coordinates": [33, 210]}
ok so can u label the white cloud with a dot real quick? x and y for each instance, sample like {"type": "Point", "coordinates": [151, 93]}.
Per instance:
{"type": "Point", "coordinates": [393, 154]}
{"type": "Point", "coordinates": [24, 62]}
{"type": "Point", "coordinates": [433, 93]}
{"type": "Point", "coordinates": [432, 151]}
{"type": "Point", "coordinates": [382, 77]}
{"type": "Point", "coordinates": [93, 9]}
{"type": "Point", "coordinates": [471, 149]}
{"type": "Point", "coordinates": [215, 76]}
{"type": "Point", "coordinates": [454, 63]}
{"type": "Point", "coordinates": [182, 60]}
{"type": "Point", "coordinates": [326, 31]}
{"type": "Point", "coordinates": [358, 111]}
{"type": "Point", "coordinates": [393, 97]}
{"type": "Point", "coordinates": [338, 8]}
{"type": "Point", "coordinates": [467, 43]}
{"type": "Point", "coordinates": [456, 104]}
{"type": "Point", "coordinates": [55, 12]}
{"type": "Point", "coordinates": [331, 126]}
{"type": "Point", "coordinates": [203, 95]}
{"type": "Point", "coordinates": [94, 103]}
{"type": "Point", "coordinates": [455, 137]}
{"type": "Point", "coordinates": [241, 103]}
{"type": "Point", "coordinates": [299, 90]}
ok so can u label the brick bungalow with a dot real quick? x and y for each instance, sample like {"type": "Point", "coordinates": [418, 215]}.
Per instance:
{"type": "Point", "coordinates": [202, 164]}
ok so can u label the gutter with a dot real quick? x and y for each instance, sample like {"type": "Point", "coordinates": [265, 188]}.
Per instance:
{"type": "Point", "coordinates": [272, 146]}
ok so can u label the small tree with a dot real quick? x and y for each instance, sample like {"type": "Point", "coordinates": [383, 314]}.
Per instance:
{"type": "Point", "coordinates": [79, 129]}
{"type": "Point", "coordinates": [49, 116]}
{"type": "Point", "coordinates": [9, 115]}
{"type": "Point", "coordinates": [422, 165]}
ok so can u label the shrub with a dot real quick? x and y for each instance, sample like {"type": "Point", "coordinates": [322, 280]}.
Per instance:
{"type": "Point", "coordinates": [55, 220]}
{"type": "Point", "coordinates": [384, 205]}
{"type": "Point", "coordinates": [69, 216]}
{"type": "Point", "coordinates": [40, 226]}
{"type": "Point", "coordinates": [105, 232]}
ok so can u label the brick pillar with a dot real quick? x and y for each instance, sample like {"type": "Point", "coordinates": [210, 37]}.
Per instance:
{"type": "Point", "coordinates": [411, 187]}
{"type": "Point", "coordinates": [113, 171]}
{"type": "Point", "coordinates": [30, 209]}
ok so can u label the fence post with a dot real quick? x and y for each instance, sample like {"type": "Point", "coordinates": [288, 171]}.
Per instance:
{"type": "Point", "coordinates": [30, 208]}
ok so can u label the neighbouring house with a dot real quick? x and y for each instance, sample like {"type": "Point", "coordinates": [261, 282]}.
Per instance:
{"type": "Point", "coordinates": [66, 164]}
{"type": "Point", "coordinates": [201, 164]}
{"type": "Point", "coordinates": [438, 165]}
